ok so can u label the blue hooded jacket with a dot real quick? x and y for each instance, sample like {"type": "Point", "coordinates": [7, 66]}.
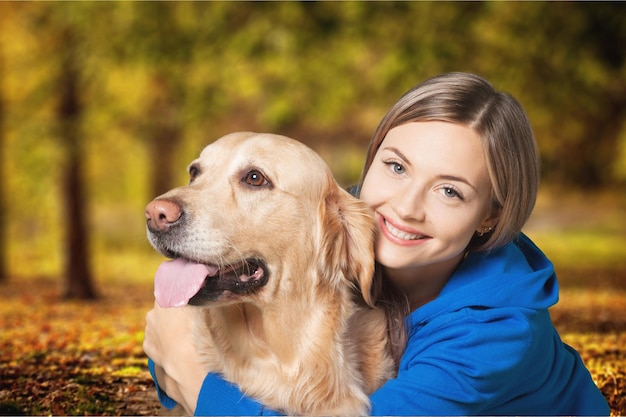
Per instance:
{"type": "Point", "coordinates": [485, 346]}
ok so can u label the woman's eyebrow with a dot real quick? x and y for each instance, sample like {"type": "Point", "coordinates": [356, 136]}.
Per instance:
{"type": "Point", "coordinates": [397, 152]}
{"type": "Point", "coordinates": [457, 179]}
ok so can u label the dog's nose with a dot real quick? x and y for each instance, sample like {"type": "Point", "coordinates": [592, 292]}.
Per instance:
{"type": "Point", "coordinates": [161, 214]}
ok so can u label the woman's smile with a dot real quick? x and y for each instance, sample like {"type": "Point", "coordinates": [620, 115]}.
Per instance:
{"type": "Point", "coordinates": [400, 236]}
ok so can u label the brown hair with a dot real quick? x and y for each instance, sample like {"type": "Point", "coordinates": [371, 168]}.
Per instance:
{"type": "Point", "coordinates": [510, 150]}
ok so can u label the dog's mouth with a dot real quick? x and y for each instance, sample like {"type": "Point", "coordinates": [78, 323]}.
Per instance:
{"type": "Point", "coordinates": [243, 278]}
{"type": "Point", "coordinates": [179, 281]}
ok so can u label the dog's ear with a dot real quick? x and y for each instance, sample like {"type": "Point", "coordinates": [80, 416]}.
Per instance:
{"type": "Point", "coordinates": [347, 241]}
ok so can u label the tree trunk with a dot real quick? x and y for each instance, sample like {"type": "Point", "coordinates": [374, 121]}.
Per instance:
{"type": "Point", "coordinates": [164, 135]}
{"type": "Point", "coordinates": [78, 279]}
{"type": "Point", "coordinates": [3, 214]}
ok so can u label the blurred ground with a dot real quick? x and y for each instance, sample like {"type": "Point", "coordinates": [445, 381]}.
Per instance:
{"type": "Point", "coordinates": [73, 358]}
{"type": "Point", "coordinates": [86, 358]}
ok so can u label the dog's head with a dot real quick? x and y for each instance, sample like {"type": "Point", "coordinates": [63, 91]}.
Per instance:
{"type": "Point", "coordinates": [262, 215]}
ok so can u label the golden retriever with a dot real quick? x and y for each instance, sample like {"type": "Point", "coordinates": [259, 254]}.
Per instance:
{"type": "Point", "coordinates": [279, 259]}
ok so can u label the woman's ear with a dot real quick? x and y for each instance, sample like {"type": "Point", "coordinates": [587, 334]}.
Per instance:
{"type": "Point", "coordinates": [489, 222]}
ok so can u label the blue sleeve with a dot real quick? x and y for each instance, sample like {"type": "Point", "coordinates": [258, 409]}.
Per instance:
{"type": "Point", "coordinates": [221, 398]}
{"type": "Point", "coordinates": [166, 401]}
{"type": "Point", "coordinates": [217, 398]}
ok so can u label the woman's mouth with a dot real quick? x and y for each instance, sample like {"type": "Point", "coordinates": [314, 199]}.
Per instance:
{"type": "Point", "coordinates": [398, 234]}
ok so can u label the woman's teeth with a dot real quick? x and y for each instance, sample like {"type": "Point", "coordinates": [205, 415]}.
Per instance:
{"type": "Point", "coordinates": [400, 234]}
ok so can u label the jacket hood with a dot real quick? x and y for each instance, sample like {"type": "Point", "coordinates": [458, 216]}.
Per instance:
{"type": "Point", "coordinates": [515, 275]}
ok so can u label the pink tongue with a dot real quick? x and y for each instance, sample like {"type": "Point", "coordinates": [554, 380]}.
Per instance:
{"type": "Point", "coordinates": [176, 281]}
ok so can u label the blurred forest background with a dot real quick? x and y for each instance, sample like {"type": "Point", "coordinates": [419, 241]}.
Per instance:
{"type": "Point", "coordinates": [103, 105]}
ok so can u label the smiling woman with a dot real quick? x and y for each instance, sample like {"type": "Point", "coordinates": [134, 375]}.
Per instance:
{"type": "Point", "coordinates": [430, 188]}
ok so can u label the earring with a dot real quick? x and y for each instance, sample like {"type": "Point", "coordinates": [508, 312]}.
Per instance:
{"type": "Point", "coordinates": [485, 230]}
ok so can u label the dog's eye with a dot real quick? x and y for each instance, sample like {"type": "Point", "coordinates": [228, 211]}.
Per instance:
{"type": "Point", "coordinates": [254, 178]}
{"type": "Point", "coordinates": [194, 171]}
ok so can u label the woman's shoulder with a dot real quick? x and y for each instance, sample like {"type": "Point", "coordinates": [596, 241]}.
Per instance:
{"type": "Point", "coordinates": [481, 327]}
{"type": "Point", "coordinates": [512, 339]}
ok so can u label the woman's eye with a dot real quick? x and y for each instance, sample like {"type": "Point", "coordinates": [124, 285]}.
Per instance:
{"type": "Point", "coordinates": [255, 179]}
{"type": "Point", "coordinates": [451, 193]}
{"type": "Point", "coordinates": [396, 167]}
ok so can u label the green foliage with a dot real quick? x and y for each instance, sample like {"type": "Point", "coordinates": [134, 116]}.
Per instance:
{"type": "Point", "coordinates": [581, 231]}
{"type": "Point", "coordinates": [584, 248]}
{"type": "Point", "coordinates": [159, 80]}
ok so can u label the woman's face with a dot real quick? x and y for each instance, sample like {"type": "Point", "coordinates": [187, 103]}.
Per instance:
{"type": "Point", "coordinates": [430, 190]}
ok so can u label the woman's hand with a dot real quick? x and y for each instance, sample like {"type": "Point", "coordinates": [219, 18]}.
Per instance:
{"type": "Point", "coordinates": [168, 342]}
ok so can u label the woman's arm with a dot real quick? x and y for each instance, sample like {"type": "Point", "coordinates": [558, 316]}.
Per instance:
{"type": "Point", "coordinates": [177, 372]}
{"type": "Point", "coordinates": [472, 362]}
{"type": "Point", "coordinates": [176, 367]}
{"type": "Point", "coordinates": [425, 376]}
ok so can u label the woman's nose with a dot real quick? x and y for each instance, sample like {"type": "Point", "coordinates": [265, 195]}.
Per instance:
{"type": "Point", "coordinates": [409, 204]}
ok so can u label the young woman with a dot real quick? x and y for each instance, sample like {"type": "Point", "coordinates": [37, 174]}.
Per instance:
{"type": "Point", "coordinates": [452, 176]}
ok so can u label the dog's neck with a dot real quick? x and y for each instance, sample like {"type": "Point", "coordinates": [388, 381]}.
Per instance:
{"type": "Point", "coordinates": [246, 328]}
{"type": "Point", "coordinates": [305, 346]}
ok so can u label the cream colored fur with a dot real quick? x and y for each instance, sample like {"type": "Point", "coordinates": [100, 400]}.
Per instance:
{"type": "Point", "coordinates": [308, 342]}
